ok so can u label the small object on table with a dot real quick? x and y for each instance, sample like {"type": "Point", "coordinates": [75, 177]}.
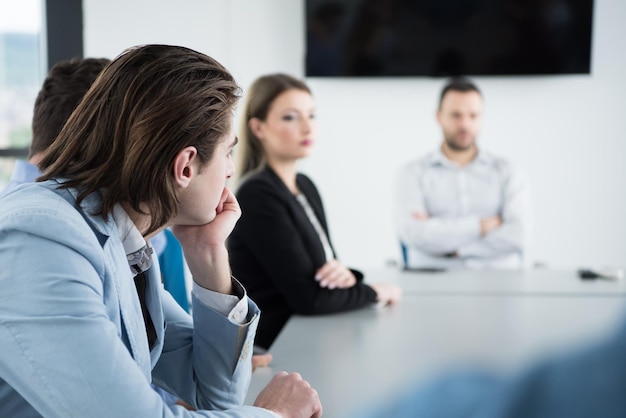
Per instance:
{"type": "Point", "coordinates": [610, 273]}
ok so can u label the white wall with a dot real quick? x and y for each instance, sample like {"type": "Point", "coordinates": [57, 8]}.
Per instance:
{"type": "Point", "coordinates": [566, 132]}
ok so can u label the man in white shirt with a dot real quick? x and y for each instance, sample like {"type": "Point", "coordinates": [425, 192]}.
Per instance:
{"type": "Point", "coordinates": [460, 206]}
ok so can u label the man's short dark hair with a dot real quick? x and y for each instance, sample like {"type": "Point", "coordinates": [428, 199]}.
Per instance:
{"type": "Point", "coordinates": [62, 90]}
{"type": "Point", "coordinates": [461, 84]}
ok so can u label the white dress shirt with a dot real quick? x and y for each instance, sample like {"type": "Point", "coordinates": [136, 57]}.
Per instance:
{"type": "Point", "coordinates": [310, 213]}
{"type": "Point", "coordinates": [455, 199]}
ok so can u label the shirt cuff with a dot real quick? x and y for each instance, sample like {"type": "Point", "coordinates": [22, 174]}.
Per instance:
{"type": "Point", "coordinates": [231, 306]}
{"type": "Point", "coordinates": [274, 414]}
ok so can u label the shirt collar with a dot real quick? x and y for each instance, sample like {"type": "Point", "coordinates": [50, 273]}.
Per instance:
{"type": "Point", "coordinates": [25, 172]}
{"type": "Point", "coordinates": [439, 158]}
{"type": "Point", "coordinates": [138, 251]}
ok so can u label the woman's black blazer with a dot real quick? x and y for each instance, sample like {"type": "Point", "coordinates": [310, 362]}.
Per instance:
{"type": "Point", "coordinates": [275, 252]}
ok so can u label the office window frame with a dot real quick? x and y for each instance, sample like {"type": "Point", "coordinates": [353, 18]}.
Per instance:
{"type": "Point", "coordinates": [62, 39]}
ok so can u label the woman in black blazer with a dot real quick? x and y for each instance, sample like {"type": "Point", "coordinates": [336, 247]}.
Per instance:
{"type": "Point", "coordinates": [280, 249]}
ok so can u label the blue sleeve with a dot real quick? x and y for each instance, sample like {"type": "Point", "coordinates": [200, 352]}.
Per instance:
{"type": "Point", "coordinates": [208, 363]}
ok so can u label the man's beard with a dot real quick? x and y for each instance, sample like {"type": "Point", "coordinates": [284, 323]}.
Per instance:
{"type": "Point", "coordinates": [453, 144]}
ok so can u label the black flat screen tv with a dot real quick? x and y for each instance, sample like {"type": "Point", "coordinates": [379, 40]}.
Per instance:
{"type": "Point", "coordinates": [441, 38]}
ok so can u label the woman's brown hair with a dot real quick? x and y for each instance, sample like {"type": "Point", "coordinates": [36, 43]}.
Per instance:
{"type": "Point", "coordinates": [150, 103]}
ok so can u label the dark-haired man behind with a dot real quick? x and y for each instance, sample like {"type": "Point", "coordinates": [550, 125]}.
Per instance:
{"type": "Point", "coordinates": [460, 206]}
{"type": "Point", "coordinates": [64, 87]}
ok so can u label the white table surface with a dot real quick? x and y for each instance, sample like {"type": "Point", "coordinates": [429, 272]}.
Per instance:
{"type": "Point", "coordinates": [498, 282]}
{"type": "Point", "coordinates": [359, 357]}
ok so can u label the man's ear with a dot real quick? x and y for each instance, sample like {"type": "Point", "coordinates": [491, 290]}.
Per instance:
{"type": "Point", "coordinates": [255, 125]}
{"type": "Point", "coordinates": [185, 166]}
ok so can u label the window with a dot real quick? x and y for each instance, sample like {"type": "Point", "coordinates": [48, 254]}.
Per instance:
{"type": "Point", "coordinates": [22, 69]}
{"type": "Point", "coordinates": [34, 35]}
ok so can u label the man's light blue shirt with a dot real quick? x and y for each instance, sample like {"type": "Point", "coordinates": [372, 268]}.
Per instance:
{"type": "Point", "coordinates": [25, 172]}
{"type": "Point", "coordinates": [73, 333]}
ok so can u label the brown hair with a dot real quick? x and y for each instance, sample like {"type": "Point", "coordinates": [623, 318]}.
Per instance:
{"type": "Point", "coordinates": [64, 87]}
{"type": "Point", "coordinates": [150, 103]}
{"type": "Point", "coordinates": [260, 97]}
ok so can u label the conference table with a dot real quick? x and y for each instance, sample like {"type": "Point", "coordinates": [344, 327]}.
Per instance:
{"type": "Point", "coordinates": [496, 321]}
{"type": "Point", "coordinates": [498, 282]}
